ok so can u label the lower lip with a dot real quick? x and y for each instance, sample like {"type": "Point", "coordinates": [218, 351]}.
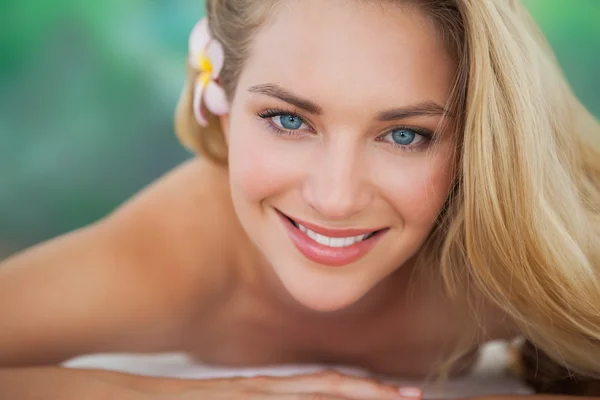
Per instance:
{"type": "Point", "coordinates": [325, 255]}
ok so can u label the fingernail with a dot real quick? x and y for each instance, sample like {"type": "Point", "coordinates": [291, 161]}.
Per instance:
{"type": "Point", "coordinates": [413, 392]}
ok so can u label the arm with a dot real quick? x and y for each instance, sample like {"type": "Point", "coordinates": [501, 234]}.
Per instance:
{"type": "Point", "coordinates": [99, 385]}
{"type": "Point", "coordinates": [64, 384]}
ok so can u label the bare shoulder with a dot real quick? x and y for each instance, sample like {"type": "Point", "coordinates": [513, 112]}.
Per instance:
{"type": "Point", "coordinates": [130, 282]}
{"type": "Point", "coordinates": [184, 226]}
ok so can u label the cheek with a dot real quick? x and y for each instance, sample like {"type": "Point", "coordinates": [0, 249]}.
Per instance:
{"type": "Point", "coordinates": [260, 164]}
{"type": "Point", "coordinates": [417, 188]}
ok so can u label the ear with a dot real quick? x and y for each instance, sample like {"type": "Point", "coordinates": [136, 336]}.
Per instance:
{"type": "Point", "coordinates": [224, 119]}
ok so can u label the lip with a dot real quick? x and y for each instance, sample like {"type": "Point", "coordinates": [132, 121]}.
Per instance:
{"type": "Point", "coordinates": [334, 233]}
{"type": "Point", "coordinates": [325, 255]}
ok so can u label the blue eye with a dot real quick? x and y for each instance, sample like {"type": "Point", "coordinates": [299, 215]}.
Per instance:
{"type": "Point", "coordinates": [403, 137]}
{"type": "Point", "coordinates": [407, 139]}
{"type": "Point", "coordinates": [288, 121]}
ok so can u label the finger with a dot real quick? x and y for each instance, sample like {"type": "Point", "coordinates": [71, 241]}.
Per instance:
{"type": "Point", "coordinates": [336, 384]}
{"type": "Point", "coordinates": [308, 396]}
{"type": "Point", "coordinates": [410, 392]}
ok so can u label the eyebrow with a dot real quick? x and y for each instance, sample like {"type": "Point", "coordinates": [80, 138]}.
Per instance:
{"type": "Point", "coordinates": [413, 110]}
{"type": "Point", "coordinates": [278, 92]}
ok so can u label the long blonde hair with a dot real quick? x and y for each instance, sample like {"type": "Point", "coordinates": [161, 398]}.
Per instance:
{"type": "Point", "coordinates": [522, 225]}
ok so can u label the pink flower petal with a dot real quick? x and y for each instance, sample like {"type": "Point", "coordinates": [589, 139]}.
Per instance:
{"type": "Point", "coordinates": [216, 100]}
{"type": "Point", "coordinates": [216, 56]}
{"type": "Point", "coordinates": [197, 105]}
{"type": "Point", "coordinates": [199, 39]}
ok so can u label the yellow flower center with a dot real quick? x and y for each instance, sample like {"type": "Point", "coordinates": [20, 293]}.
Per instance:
{"type": "Point", "coordinates": [206, 69]}
{"type": "Point", "coordinates": [204, 78]}
{"type": "Point", "coordinates": [204, 63]}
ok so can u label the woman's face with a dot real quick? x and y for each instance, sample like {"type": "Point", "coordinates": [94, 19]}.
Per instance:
{"type": "Point", "coordinates": [334, 172]}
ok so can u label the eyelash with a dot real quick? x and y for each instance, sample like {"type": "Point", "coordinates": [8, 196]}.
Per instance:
{"type": "Point", "coordinates": [269, 113]}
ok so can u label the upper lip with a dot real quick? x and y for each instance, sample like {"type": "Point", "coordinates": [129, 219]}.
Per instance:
{"type": "Point", "coordinates": [330, 232]}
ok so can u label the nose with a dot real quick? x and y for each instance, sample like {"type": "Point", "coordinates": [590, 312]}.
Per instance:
{"type": "Point", "coordinates": [337, 185]}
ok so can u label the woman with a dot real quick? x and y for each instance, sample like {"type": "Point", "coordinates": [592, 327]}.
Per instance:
{"type": "Point", "coordinates": [385, 184]}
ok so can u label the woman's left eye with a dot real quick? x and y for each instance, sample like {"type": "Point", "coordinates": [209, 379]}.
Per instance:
{"type": "Point", "coordinates": [405, 138]}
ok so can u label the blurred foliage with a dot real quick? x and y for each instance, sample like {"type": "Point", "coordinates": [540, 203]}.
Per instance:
{"type": "Point", "coordinates": [88, 89]}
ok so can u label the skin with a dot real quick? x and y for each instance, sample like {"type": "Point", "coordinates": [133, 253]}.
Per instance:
{"type": "Point", "coordinates": [335, 173]}
{"type": "Point", "coordinates": [200, 262]}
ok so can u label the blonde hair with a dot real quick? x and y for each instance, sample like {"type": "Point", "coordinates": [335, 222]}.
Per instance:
{"type": "Point", "coordinates": [522, 226]}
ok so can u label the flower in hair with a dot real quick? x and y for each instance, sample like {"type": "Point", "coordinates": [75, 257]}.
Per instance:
{"type": "Point", "coordinates": [206, 56]}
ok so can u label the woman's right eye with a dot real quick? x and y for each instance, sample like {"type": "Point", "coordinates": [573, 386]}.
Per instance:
{"type": "Point", "coordinates": [288, 122]}
{"type": "Point", "coordinates": [285, 123]}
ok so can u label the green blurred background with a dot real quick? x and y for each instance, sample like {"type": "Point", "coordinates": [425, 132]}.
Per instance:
{"type": "Point", "coordinates": [88, 89]}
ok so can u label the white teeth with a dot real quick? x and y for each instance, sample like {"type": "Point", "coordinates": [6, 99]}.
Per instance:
{"type": "Point", "coordinates": [337, 242]}
{"type": "Point", "coordinates": [333, 242]}
{"type": "Point", "coordinates": [324, 240]}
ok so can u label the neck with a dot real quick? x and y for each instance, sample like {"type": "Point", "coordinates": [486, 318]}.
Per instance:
{"type": "Point", "coordinates": [386, 294]}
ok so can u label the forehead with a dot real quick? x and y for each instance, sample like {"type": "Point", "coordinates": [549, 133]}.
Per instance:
{"type": "Point", "coordinates": [353, 50]}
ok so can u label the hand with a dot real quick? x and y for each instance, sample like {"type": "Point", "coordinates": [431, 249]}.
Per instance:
{"type": "Point", "coordinates": [323, 385]}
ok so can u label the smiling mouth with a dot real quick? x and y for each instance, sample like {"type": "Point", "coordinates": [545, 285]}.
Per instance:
{"type": "Point", "coordinates": [335, 239]}
{"type": "Point", "coordinates": [331, 247]}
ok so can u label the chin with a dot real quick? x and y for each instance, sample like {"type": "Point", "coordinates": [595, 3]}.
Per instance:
{"type": "Point", "coordinates": [323, 294]}
{"type": "Point", "coordinates": [323, 301]}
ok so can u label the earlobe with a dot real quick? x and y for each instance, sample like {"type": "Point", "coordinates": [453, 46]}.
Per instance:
{"type": "Point", "coordinates": [224, 119]}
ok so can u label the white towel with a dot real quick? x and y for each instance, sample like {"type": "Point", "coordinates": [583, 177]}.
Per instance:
{"type": "Point", "coordinates": [488, 376]}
